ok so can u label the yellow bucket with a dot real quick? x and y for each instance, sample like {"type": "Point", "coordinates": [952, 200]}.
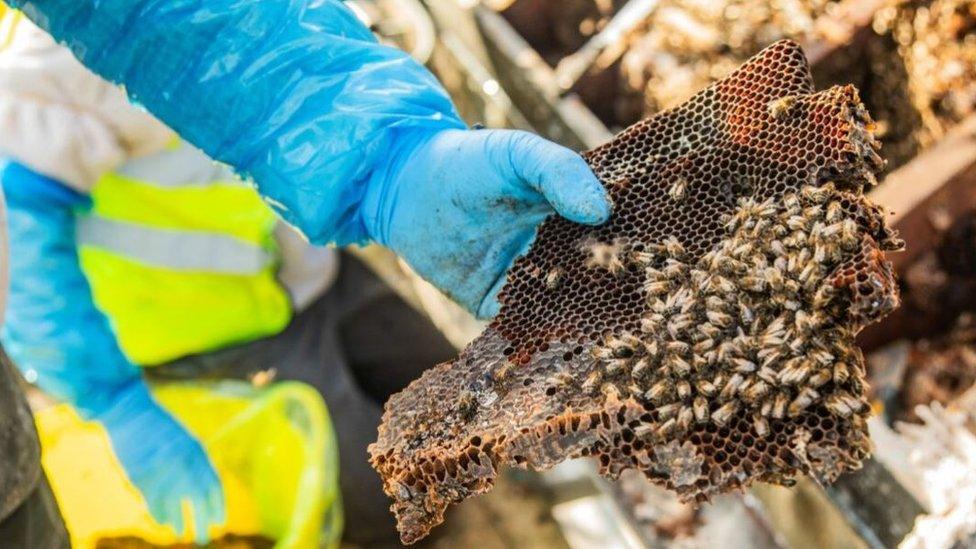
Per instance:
{"type": "Point", "coordinates": [273, 448]}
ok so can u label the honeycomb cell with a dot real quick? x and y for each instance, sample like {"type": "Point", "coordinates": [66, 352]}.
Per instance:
{"type": "Point", "coordinates": [703, 336]}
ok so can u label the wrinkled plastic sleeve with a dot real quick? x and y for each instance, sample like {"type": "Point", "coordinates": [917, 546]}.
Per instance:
{"type": "Point", "coordinates": [297, 95]}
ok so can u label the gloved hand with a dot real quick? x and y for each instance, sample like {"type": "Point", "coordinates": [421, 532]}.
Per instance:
{"type": "Point", "coordinates": [298, 96]}
{"type": "Point", "coordinates": [165, 462]}
{"type": "Point", "coordinates": [460, 205]}
{"type": "Point", "coordinates": [54, 332]}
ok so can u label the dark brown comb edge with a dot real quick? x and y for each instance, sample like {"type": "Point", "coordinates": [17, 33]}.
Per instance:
{"type": "Point", "coordinates": [703, 336]}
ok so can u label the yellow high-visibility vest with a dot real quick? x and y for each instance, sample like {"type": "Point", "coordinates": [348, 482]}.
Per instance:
{"type": "Point", "coordinates": [181, 257]}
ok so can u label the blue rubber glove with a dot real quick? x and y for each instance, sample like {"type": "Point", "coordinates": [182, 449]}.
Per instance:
{"type": "Point", "coordinates": [298, 96]}
{"type": "Point", "coordinates": [459, 206]}
{"type": "Point", "coordinates": [54, 332]}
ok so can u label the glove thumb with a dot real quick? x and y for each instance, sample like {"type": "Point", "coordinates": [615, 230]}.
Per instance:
{"type": "Point", "coordinates": [561, 176]}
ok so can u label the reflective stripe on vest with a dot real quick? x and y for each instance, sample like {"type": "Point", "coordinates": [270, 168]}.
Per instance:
{"type": "Point", "coordinates": [179, 265]}
{"type": "Point", "coordinates": [176, 250]}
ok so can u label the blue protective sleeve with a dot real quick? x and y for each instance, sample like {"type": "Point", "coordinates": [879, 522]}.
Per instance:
{"type": "Point", "coordinates": [295, 94]}
{"type": "Point", "coordinates": [52, 326]}
{"type": "Point", "coordinates": [54, 330]}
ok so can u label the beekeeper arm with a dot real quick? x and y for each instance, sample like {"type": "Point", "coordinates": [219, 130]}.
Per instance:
{"type": "Point", "coordinates": [54, 331]}
{"type": "Point", "coordinates": [349, 140]}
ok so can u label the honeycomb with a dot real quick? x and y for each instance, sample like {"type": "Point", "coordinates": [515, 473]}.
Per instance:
{"type": "Point", "coordinates": [703, 336]}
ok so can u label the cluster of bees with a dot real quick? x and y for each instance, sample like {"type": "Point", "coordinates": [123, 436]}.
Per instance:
{"type": "Point", "coordinates": [752, 329]}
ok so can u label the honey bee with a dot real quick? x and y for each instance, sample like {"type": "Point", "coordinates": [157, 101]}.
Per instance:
{"type": "Point", "coordinates": [651, 348]}
{"type": "Point", "coordinates": [843, 404]}
{"type": "Point", "coordinates": [616, 366]}
{"type": "Point", "coordinates": [821, 377]}
{"type": "Point", "coordinates": [791, 201]}
{"type": "Point", "coordinates": [591, 382]}
{"type": "Point", "coordinates": [743, 249]}
{"type": "Point", "coordinates": [814, 212]}
{"type": "Point", "coordinates": [679, 347]}
{"type": "Point", "coordinates": [822, 297]}
{"type": "Point", "coordinates": [795, 371]}
{"type": "Point", "coordinates": [820, 253]}
{"type": "Point", "coordinates": [756, 391]}
{"type": "Point", "coordinates": [790, 304]}
{"type": "Point", "coordinates": [553, 278]}
{"type": "Point", "coordinates": [655, 288]}
{"type": "Point", "coordinates": [678, 324]}
{"type": "Point", "coordinates": [760, 424]}
{"type": "Point", "coordinates": [700, 409]}
{"type": "Point", "coordinates": [673, 247]}
{"type": "Point", "coordinates": [766, 208]}
{"type": "Point", "coordinates": [630, 341]}
{"type": "Point", "coordinates": [467, 404]}
{"type": "Point", "coordinates": [684, 389]}
{"type": "Point", "coordinates": [714, 302]}
{"type": "Point", "coordinates": [817, 195]}
{"type": "Point", "coordinates": [807, 276]}
{"type": "Point", "coordinates": [649, 325]}
{"type": "Point", "coordinates": [683, 300]}
{"type": "Point", "coordinates": [753, 283]}
{"type": "Point", "coordinates": [802, 401]}
{"type": "Point", "coordinates": [674, 270]}
{"type": "Point", "coordinates": [725, 412]}
{"type": "Point", "coordinates": [719, 318]}
{"type": "Point", "coordinates": [721, 285]}
{"type": "Point", "coordinates": [643, 258]}
{"type": "Point", "coordinates": [703, 346]}
{"type": "Point", "coordinates": [848, 234]}
{"type": "Point", "coordinates": [699, 279]}
{"type": "Point", "coordinates": [725, 350]}
{"type": "Point", "coordinates": [667, 428]}
{"type": "Point", "coordinates": [796, 223]}
{"type": "Point", "coordinates": [563, 379]}
{"type": "Point", "coordinates": [678, 365]}
{"type": "Point", "coordinates": [709, 330]}
{"type": "Point", "coordinates": [644, 431]}
{"type": "Point", "coordinates": [768, 375]}
{"type": "Point", "coordinates": [706, 387]}
{"type": "Point", "coordinates": [601, 255]}
{"type": "Point", "coordinates": [610, 392]}
{"type": "Point", "coordinates": [841, 373]}
{"type": "Point", "coordinates": [640, 369]}
{"type": "Point", "coordinates": [822, 356]}
{"type": "Point", "coordinates": [769, 356]}
{"type": "Point", "coordinates": [668, 411]}
{"type": "Point", "coordinates": [659, 392]}
{"type": "Point", "coordinates": [678, 189]}
{"type": "Point", "coordinates": [729, 266]}
{"type": "Point", "coordinates": [502, 371]}
{"type": "Point", "coordinates": [603, 353]}
{"type": "Point", "coordinates": [731, 387]}
{"type": "Point", "coordinates": [685, 418]}
{"type": "Point", "coordinates": [780, 403]}
{"type": "Point", "coordinates": [744, 366]}
{"type": "Point", "coordinates": [831, 230]}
